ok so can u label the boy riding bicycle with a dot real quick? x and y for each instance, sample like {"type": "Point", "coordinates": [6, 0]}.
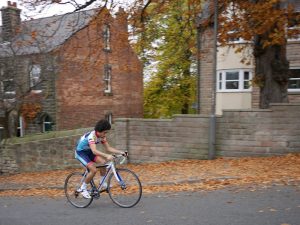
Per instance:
{"type": "Point", "coordinates": [87, 153]}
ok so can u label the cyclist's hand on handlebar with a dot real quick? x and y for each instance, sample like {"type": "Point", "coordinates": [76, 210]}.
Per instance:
{"type": "Point", "coordinates": [125, 154]}
{"type": "Point", "coordinates": [110, 157]}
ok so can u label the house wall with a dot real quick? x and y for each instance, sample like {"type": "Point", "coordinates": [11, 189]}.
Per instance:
{"type": "Point", "coordinates": [228, 59]}
{"type": "Point", "coordinates": [293, 55]}
{"type": "Point", "coordinates": [18, 68]}
{"type": "Point", "coordinates": [231, 100]}
{"type": "Point", "coordinates": [81, 100]}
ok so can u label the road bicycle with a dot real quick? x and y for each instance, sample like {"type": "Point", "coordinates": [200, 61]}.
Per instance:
{"type": "Point", "coordinates": [123, 185]}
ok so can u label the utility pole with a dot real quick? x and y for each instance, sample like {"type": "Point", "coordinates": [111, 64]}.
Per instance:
{"type": "Point", "coordinates": [212, 122]}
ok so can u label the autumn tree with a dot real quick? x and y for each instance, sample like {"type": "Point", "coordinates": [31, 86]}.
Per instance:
{"type": "Point", "coordinates": [264, 24]}
{"type": "Point", "coordinates": [166, 43]}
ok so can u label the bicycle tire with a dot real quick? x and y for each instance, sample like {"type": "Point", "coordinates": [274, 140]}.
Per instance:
{"type": "Point", "coordinates": [129, 193]}
{"type": "Point", "coordinates": [72, 184]}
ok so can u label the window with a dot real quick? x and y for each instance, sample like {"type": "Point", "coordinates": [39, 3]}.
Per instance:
{"type": "Point", "coordinates": [20, 128]}
{"type": "Point", "coordinates": [106, 37]}
{"type": "Point", "coordinates": [35, 78]}
{"type": "Point", "coordinates": [295, 31]}
{"type": "Point", "coordinates": [47, 123]}
{"type": "Point", "coordinates": [235, 40]}
{"type": "Point", "coordinates": [293, 28]}
{"type": "Point", "coordinates": [234, 80]}
{"type": "Point", "coordinates": [294, 81]}
{"type": "Point", "coordinates": [107, 79]}
{"type": "Point", "coordinates": [8, 88]}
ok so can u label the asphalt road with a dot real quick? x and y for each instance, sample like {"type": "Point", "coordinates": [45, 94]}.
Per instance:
{"type": "Point", "coordinates": [273, 206]}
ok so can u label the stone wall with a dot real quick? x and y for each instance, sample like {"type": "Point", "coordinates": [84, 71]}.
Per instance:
{"type": "Point", "coordinates": [238, 133]}
{"type": "Point", "coordinates": [148, 140]}
{"type": "Point", "coordinates": [257, 132]}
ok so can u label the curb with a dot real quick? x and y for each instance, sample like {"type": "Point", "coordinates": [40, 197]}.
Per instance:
{"type": "Point", "coordinates": [158, 183]}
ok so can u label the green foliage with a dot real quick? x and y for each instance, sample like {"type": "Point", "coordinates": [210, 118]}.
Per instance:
{"type": "Point", "coordinates": [168, 40]}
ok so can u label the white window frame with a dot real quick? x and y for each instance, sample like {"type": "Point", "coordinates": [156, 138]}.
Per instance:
{"type": "Point", "coordinates": [35, 77]}
{"type": "Point", "coordinates": [21, 127]}
{"type": "Point", "coordinates": [294, 89]}
{"type": "Point", "coordinates": [106, 36]}
{"type": "Point", "coordinates": [221, 80]}
{"type": "Point", "coordinates": [2, 87]}
{"type": "Point", "coordinates": [298, 36]}
{"type": "Point", "coordinates": [107, 79]}
{"type": "Point", "coordinates": [238, 41]}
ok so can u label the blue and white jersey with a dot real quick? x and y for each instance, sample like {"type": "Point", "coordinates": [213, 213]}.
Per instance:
{"type": "Point", "coordinates": [87, 139]}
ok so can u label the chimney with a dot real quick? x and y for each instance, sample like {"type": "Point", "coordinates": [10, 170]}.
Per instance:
{"type": "Point", "coordinates": [122, 19]}
{"type": "Point", "coordinates": [11, 21]}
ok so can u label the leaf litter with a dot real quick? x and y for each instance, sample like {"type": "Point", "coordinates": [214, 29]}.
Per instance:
{"type": "Point", "coordinates": [173, 176]}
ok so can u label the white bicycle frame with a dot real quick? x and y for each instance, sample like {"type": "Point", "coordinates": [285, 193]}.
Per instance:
{"type": "Point", "coordinates": [111, 168]}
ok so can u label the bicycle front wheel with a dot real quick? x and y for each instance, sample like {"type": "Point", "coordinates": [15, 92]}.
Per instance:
{"type": "Point", "coordinates": [126, 192]}
{"type": "Point", "coordinates": [72, 190]}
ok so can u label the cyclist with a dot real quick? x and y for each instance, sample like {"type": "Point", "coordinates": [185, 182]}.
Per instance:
{"type": "Point", "coordinates": [87, 153]}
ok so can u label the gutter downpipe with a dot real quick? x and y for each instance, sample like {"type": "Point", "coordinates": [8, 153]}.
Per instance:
{"type": "Point", "coordinates": [212, 122]}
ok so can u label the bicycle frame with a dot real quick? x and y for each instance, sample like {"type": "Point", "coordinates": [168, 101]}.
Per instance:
{"type": "Point", "coordinates": [120, 181]}
{"type": "Point", "coordinates": [110, 168]}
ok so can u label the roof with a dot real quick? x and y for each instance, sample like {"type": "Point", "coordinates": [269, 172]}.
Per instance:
{"type": "Point", "coordinates": [45, 34]}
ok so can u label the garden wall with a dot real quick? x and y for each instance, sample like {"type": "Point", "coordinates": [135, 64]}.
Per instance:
{"type": "Point", "coordinates": [239, 133]}
{"type": "Point", "coordinates": [274, 131]}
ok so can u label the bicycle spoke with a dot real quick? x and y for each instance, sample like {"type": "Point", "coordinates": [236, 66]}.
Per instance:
{"type": "Point", "coordinates": [72, 185]}
{"type": "Point", "coordinates": [126, 193]}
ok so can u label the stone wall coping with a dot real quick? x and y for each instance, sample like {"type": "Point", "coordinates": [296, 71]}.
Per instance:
{"type": "Point", "coordinates": [164, 120]}
{"type": "Point", "coordinates": [45, 136]}
{"type": "Point", "coordinates": [247, 110]}
{"type": "Point", "coordinates": [286, 104]}
{"type": "Point", "coordinates": [142, 119]}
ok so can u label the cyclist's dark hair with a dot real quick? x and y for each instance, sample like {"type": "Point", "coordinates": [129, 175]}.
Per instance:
{"type": "Point", "coordinates": [102, 125]}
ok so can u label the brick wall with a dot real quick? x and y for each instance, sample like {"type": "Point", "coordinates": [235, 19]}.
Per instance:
{"type": "Point", "coordinates": [80, 84]}
{"type": "Point", "coordinates": [293, 53]}
{"type": "Point", "coordinates": [206, 71]}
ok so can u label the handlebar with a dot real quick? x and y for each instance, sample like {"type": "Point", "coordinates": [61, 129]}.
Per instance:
{"type": "Point", "coordinates": [122, 158]}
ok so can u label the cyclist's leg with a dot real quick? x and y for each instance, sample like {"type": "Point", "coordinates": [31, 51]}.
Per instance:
{"type": "Point", "coordinates": [86, 158]}
{"type": "Point", "coordinates": [99, 159]}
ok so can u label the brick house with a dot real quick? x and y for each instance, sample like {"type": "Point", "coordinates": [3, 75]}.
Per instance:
{"type": "Point", "coordinates": [67, 72]}
{"type": "Point", "coordinates": [233, 78]}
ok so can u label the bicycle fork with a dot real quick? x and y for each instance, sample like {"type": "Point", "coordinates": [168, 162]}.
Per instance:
{"type": "Point", "coordinates": [119, 179]}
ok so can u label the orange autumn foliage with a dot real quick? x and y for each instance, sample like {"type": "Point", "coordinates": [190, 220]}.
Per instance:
{"type": "Point", "coordinates": [30, 110]}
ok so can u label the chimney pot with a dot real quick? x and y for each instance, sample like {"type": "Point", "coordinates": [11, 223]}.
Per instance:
{"type": "Point", "coordinates": [12, 4]}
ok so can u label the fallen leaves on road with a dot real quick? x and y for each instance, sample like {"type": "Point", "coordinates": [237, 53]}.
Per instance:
{"type": "Point", "coordinates": [180, 175]}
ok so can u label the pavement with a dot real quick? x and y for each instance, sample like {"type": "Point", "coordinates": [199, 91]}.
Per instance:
{"type": "Point", "coordinates": [180, 175]}
{"type": "Point", "coordinates": [278, 205]}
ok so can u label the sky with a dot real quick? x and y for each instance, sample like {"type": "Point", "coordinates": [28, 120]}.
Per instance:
{"type": "Point", "coordinates": [56, 9]}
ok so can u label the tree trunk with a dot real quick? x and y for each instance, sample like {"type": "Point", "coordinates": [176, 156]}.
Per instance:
{"type": "Point", "coordinates": [271, 74]}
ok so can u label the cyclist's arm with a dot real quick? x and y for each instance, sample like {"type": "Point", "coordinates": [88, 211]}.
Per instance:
{"type": "Point", "coordinates": [109, 148]}
{"type": "Point", "coordinates": [97, 152]}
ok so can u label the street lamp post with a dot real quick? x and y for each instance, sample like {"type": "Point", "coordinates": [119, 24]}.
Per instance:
{"type": "Point", "coordinates": [212, 123]}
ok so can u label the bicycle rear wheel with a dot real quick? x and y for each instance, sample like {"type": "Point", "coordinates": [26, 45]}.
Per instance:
{"type": "Point", "coordinates": [126, 193]}
{"type": "Point", "coordinates": [72, 185]}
